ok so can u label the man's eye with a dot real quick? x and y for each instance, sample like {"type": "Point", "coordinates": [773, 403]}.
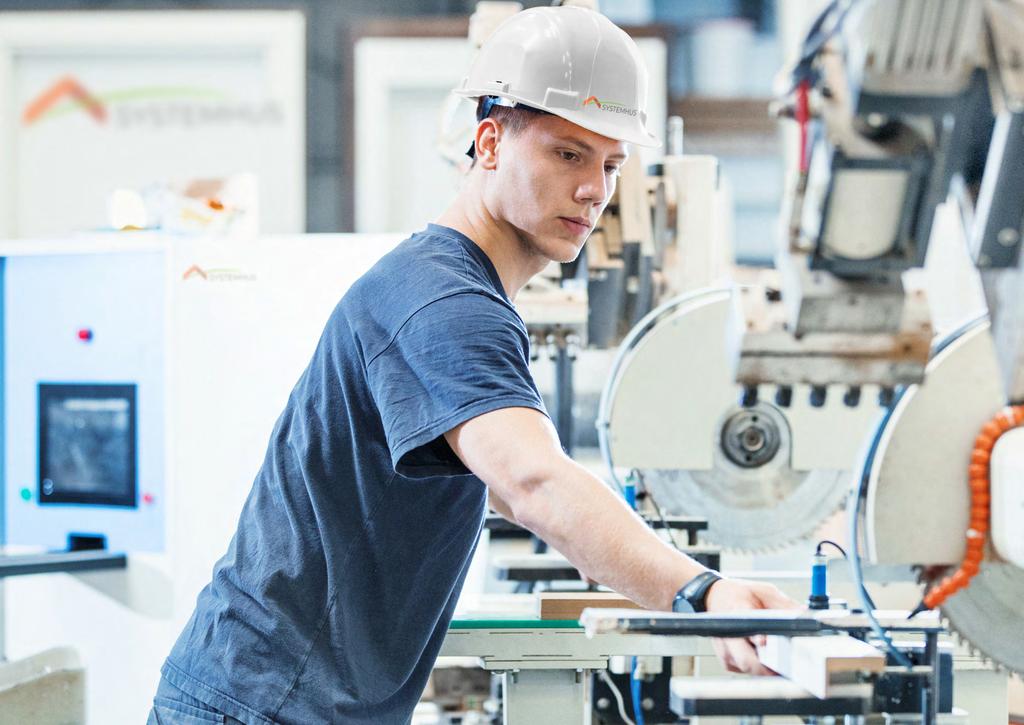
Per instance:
{"type": "Point", "coordinates": [569, 155]}
{"type": "Point", "coordinates": [612, 170]}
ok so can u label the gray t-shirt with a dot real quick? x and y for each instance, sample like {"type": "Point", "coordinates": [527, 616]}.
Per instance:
{"type": "Point", "coordinates": [337, 589]}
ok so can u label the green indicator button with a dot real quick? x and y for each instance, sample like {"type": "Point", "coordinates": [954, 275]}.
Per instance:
{"type": "Point", "coordinates": [26, 495]}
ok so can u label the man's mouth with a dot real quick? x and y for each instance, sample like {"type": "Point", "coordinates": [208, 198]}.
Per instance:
{"type": "Point", "coordinates": [577, 225]}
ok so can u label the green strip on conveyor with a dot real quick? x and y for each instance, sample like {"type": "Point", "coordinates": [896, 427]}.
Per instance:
{"type": "Point", "coordinates": [514, 624]}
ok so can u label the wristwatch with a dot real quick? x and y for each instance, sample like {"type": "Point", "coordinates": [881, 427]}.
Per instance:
{"type": "Point", "coordinates": [690, 598]}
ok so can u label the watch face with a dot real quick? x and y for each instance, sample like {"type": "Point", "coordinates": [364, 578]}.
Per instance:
{"type": "Point", "coordinates": [682, 606]}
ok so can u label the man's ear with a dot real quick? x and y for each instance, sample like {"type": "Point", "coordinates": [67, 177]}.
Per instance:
{"type": "Point", "coordinates": [488, 138]}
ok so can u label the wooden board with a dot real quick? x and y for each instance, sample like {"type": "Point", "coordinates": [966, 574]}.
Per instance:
{"type": "Point", "coordinates": [569, 605]}
{"type": "Point", "coordinates": [826, 666]}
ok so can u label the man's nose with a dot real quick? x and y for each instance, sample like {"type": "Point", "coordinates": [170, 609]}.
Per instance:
{"type": "Point", "coordinates": [594, 188]}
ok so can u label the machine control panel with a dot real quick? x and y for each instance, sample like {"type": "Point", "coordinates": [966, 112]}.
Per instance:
{"type": "Point", "coordinates": [83, 396]}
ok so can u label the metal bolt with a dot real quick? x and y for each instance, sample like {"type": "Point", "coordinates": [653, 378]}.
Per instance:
{"type": "Point", "coordinates": [752, 439]}
{"type": "Point", "coordinates": [572, 345]}
{"type": "Point", "coordinates": [603, 703]}
{"type": "Point", "coordinates": [647, 703]}
{"type": "Point", "coordinates": [876, 120]}
{"type": "Point", "coordinates": [551, 342]}
{"type": "Point", "coordinates": [1008, 236]}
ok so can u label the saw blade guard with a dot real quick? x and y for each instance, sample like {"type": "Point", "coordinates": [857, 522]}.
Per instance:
{"type": "Point", "coordinates": [916, 470]}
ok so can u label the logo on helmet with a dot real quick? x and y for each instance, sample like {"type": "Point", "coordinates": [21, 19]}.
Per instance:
{"type": "Point", "coordinates": [610, 106]}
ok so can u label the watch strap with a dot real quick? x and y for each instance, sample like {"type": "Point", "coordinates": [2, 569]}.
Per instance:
{"type": "Point", "coordinates": [695, 591]}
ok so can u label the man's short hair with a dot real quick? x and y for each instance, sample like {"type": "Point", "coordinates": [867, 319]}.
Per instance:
{"type": "Point", "coordinates": [512, 119]}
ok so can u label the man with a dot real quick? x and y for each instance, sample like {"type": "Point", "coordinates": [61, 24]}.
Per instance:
{"type": "Point", "coordinates": [418, 406]}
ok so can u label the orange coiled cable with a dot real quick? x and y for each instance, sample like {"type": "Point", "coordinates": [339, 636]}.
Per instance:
{"type": "Point", "coordinates": [978, 477]}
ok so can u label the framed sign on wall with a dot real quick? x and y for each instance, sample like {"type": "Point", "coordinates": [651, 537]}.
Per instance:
{"type": "Point", "coordinates": [95, 101]}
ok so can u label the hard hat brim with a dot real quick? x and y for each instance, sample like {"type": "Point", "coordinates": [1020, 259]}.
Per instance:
{"type": "Point", "coordinates": [639, 137]}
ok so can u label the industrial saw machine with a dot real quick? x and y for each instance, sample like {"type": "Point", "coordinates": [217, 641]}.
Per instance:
{"type": "Point", "coordinates": [877, 364]}
{"type": "Point", "coordinates": [910, 118]}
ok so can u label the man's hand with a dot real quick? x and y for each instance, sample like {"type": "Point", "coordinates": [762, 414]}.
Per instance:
{"type": "Point", "coordinates": [730, 595]}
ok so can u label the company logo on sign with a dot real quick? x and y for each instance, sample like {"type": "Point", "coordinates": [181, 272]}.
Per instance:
{"type": "Point", "coordinates": [610, 106]}
{"type": "Point", "coordinates": [219, 274]}
{"type": "Point", "coordinates": [153, 107]}
{"type": "Point", "coordinates": [194, 270]}
{"type": "Point", "coordinates": [66, 88]}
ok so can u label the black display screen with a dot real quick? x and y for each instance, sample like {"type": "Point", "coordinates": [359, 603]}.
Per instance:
{"type": "Point", "coordinates": [87, 444]}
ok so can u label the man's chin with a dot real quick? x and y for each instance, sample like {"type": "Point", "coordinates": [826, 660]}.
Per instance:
{"type": "Point", "coordinates": [555, 247]}
{"type": "Point", "coordinates": [564, 251]}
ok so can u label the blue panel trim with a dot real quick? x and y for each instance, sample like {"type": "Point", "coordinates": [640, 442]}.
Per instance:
{"type": "Point", "coordinates": [3, 410]}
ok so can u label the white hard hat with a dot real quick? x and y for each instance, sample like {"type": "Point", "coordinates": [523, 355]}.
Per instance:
{"type": "Point", "coordinates": [568, 61]}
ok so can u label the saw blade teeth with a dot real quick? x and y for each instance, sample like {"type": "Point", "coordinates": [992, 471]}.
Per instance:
{"type": "Point", "coordinates": [985, 622]}
{"type": "Point", "coordinates": [962, 641]}
{"type": "Point", "coordinates": [761, 545]}
{"type": "Point", "coordinates": [761, 549]}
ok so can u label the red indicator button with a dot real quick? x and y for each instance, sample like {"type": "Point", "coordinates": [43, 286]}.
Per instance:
{"type": "Point", "coordinates": [85, 334]}
{"type": "Point", "coordinates": [147, 498]}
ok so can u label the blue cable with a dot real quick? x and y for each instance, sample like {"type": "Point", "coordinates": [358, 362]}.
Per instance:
{"type": "Point", "coordinates": [817, 36]}
{"type": "Point", "coordinates": [634, 689]}
{"type": "Point", "coordinates": [629, 492]}
{"type": "Point", "coordinates": [858, 578]}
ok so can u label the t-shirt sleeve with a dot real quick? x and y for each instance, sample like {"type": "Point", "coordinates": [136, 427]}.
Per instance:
{"type": "Point", "coordinates": [454, 359]}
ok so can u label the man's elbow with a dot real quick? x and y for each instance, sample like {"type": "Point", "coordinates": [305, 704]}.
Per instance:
{"type": "Point", "coordinates": [530, 500]}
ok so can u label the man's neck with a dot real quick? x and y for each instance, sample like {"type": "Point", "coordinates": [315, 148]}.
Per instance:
{"type": "Point", "coordinates": [499, 240]}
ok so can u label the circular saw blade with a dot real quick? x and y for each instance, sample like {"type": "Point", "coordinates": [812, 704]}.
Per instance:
{"type": "Point", "coordinates": [987, 614]}
{"type": "Point", "coordinates": [769, 514]}
{"type": "Point", "coordinates": [669, 404]}
{"type": "Point", "coordinates": [756, 508]}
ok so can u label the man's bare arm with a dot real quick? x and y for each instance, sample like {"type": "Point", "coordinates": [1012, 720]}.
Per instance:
{"type": "Point", "coordinates": [498, 506]}
{"type": "Point", "coordinates": [516, 453]}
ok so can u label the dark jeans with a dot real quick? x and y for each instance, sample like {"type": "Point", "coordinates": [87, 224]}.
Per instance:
{"type": "Point", "coordinates": [171, 706]}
